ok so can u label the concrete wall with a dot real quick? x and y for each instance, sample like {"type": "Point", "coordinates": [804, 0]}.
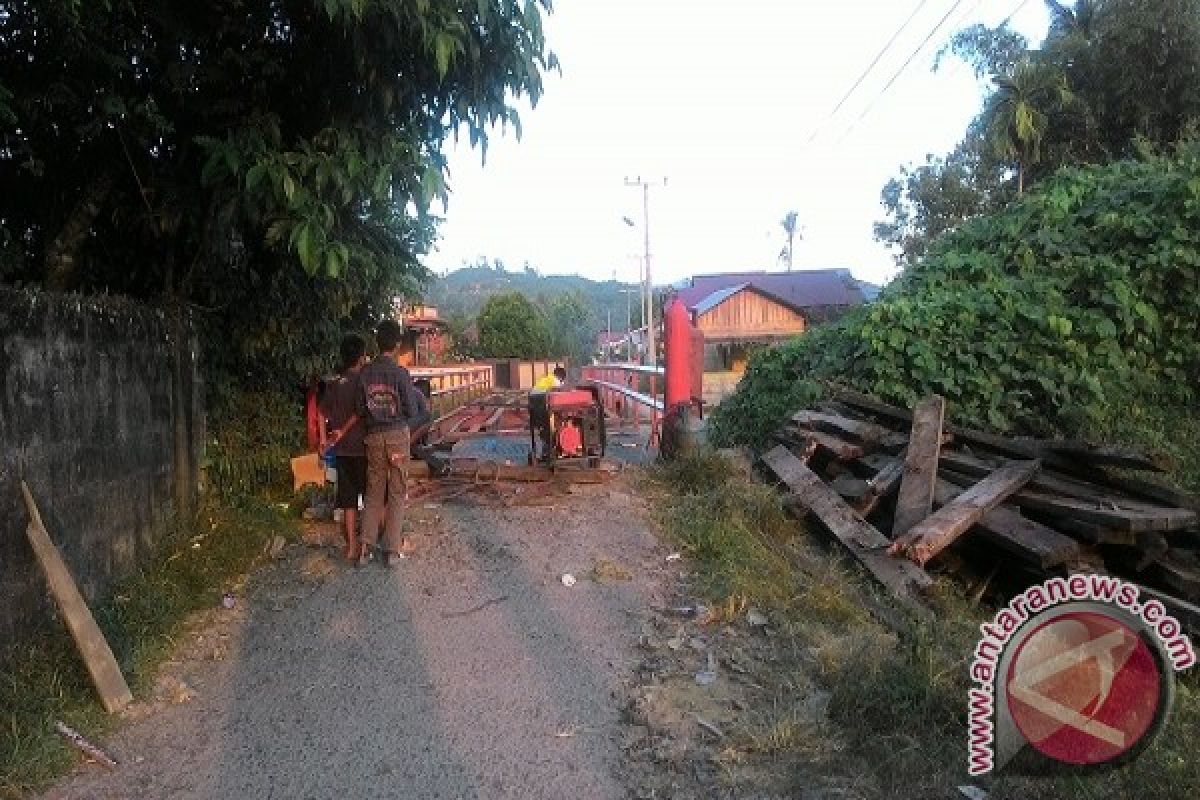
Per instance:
{"type": "Point", "coordinates": [101, 413]}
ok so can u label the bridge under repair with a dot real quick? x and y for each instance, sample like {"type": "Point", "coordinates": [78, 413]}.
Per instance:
{"type": "Point", "coordinates": [614, 415]}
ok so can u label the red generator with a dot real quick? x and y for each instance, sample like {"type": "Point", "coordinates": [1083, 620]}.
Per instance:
{"type": "Point", "coordinates": [566, 425]}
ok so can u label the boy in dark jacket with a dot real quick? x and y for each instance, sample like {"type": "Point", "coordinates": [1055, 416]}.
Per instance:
{"type": "Point", "coordinates": [387, 402]}
{"type": "Point", "coordinates": [338, 407]}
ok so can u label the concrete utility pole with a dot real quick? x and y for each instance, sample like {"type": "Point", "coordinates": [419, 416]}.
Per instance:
{"type": "Point", "coordinates": [648, 283]}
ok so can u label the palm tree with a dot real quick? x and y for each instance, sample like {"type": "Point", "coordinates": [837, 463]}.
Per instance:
{"type": "Point", "coordinates": [789, 228]}
{"type": "Point", "coordinates": [1018, 113]}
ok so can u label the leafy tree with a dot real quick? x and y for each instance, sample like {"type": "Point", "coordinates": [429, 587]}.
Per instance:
{"type": "Point", "coordinates": [925, 202]}
{"type": "Point", "coordinates": [269, 163]}
{"type": "Point", "coordinates": [988, 51]}
{"type": "Point", "coordinates": [1130, 67]}
{"type": "Point", "coordinates": [573, 326]}
{"type": "Point", "coordinates": [789, 223]}
{"type": "Point", "coordinates": [510, 326]}
{"type": "Point", "coordinates": [1019, 113]}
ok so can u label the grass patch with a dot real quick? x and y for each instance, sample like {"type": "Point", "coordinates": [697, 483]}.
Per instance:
{"type": "Point", "coordinates": [896, 724]}
{"type": "Point", "coordinates": [44, 680]}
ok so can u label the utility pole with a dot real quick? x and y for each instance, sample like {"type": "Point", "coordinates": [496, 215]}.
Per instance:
{"type": "Point", "coordinates": [608, 337]}
{"type": "Point", "coordinates": [648, 283]}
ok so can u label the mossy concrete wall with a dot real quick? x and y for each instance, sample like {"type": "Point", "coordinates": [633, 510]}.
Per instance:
{"type": "Point", "coordinates": [101, 414]}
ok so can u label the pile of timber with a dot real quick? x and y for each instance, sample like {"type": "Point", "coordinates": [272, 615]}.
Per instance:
{"type": "Point", "coordinates": [903, 490]}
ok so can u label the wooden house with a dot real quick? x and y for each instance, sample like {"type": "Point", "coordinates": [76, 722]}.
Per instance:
{"type": "Point", "coordinates": [738, 311]}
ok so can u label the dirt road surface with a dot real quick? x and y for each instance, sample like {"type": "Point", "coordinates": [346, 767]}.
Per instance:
{"type": "Point", "coordinates": [469, 672]}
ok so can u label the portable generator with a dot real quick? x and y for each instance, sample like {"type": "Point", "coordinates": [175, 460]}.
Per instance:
{"type": "Point", "coordinates": [566, 425]}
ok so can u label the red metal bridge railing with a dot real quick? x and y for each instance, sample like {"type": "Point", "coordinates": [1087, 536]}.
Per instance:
{"type": "Point", "coordinates": [628, 390]}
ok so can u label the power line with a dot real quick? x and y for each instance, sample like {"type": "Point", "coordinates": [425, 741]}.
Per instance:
{"type": "Point", "coordinates": [867, 71]}
{"type": "Point", "coordinates": [962, 18]}
{"type": "Point", "coordinates": [903, 67]}
{"type": "Point", "coordinates": [960, 65]}
{"type": "Point", "coordinates": [1014, 12]}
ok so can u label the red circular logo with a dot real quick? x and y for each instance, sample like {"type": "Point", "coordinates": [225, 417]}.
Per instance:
{"type": "Point", "coordinates": [1083, 688]}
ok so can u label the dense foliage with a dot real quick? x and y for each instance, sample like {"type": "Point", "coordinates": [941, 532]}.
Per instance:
{"type": "Point", "coordinates": [512, 327]}
{"type": "Point", "coordinates": [1110, 75]}
{"type": "Point", "coordinates": [271, 163]}
{"type": "Point", "coordinates": [1078, 299]}
{"type": "Point", "coordinates": [461, 294]}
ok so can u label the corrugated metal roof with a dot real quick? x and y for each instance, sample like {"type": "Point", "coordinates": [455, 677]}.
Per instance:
{"type": "Point", "coordinates": [716, 298]}
{"type": "Point", "coordinates": [817, 288]}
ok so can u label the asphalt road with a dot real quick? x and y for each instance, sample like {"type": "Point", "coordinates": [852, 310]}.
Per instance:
{"type": "Point", "coordinates": [470, 672]}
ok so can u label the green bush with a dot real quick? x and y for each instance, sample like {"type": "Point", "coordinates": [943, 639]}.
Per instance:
{"type": "Point", "coordinates": [253, 436]}
{"type": "Point", "coordinates": [1036, 319]}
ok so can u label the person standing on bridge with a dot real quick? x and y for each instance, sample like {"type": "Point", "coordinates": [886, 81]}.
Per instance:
{"type": "Point", "coordinates": [387, 403]}
{"type": "Point", "coordinates": [551, 380]}
{"type": "Point", "coordinates": [338, 407]}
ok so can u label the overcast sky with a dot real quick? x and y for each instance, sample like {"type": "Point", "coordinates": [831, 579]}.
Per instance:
{"type": "Point", "coordinates": [722, 99]}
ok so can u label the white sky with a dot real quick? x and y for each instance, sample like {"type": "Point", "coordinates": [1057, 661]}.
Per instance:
{"type": "Point", "coordinates": [721, 97]}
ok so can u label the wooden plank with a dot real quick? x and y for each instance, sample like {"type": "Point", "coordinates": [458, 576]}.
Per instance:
{"type": "Point", "coordinates": [905, 580]}
{"type": "Point", "coordinates": [1104, 454]}
{"type": "Point", "coordinates": [1108, 520]}
{"type": "Point", "coordinates": [1186, 613]}
{"type": "Point", "coordinates": [868, 432]}
{"type": "Point", "coordinates": [938, 531]}
{"type": "Point", "coordinates": [490, 425]}
{"type": "Point", "coordinates": [1007, 446]}
{"type": "Point", "coordinates": [1181, 579]}
{"type": "Point", "coordinates": [1050, 482]}
{"type": "Point", "coordinates": [1112, 515]}
{"type": "Point", "coordinates": [93, 647]}
{"type": "Point", "coordinates": [1143, 489]}
{"type": "Point", "coordinates": [873, 406]}
{"type": "Point", "coordinates": [915, 501]}
{"type": "Point", "coordinates": [1004, 526]}
{"type": "Point", "coordinates": [887, 480]}
{"type": "Point", "coordinates": [839, 448]}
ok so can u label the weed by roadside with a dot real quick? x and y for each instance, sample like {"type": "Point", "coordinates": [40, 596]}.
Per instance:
{"type": "Point", "coordinates": [893, 725]}
{"type": "Point", "coordinates": [44, 681]}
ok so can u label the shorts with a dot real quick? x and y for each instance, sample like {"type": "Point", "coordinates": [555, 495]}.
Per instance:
{"type": "Point", "coordinates": [351, 480]}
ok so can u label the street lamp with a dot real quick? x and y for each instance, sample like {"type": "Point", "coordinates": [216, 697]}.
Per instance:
{"type": "Point", "coordinates": [647, 282]}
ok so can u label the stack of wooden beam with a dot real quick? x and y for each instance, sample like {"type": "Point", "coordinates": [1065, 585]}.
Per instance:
{"type": "Point", "coordinates": [904, 490]}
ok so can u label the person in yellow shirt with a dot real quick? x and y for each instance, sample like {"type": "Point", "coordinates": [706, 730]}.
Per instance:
{"type": "Point", "coordinates": [538, 412]}
{"type": "Point", "coordinates": [550, 381]}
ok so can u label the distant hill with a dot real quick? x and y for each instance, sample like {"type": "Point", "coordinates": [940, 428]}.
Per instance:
{"type": "Point", "coordinates": [461, 294]}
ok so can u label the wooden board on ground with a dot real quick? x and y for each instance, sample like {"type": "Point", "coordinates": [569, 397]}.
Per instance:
{"type": "Point", "coordinates": [1187, 613]}
{"type": "Point", "coordinates": [93, 647]}
{"type": "Point", "coordinates": [1004, 526]}
{"type": "Point", "coordinates": [1181, 578]}
{"type": "Point", "coordinates": [1105, 455]}
{"type": "Point", "coordinates": [1144, 489]}
{"type": "Point", "coordinates": [902, 578]}
{"type": "Point", "coordinates": [1054, 483]}
{"type": "Point", "coordinates": [889, 473]}
{"type": "Point", "coordinates": [837, 447]}
{"type": "Point", "coordinates": [915, 501]}
{"type": "Point", "coordinates": [868, 432]}
{"type": "Point", "coordinates": [938, 531]}
{"type": "Point", "coordinates": [1108, 515]}
{"type": "Point", "coordinates": [1081, 515]}
{"type": "Point", "coordinates": [1054, 454]}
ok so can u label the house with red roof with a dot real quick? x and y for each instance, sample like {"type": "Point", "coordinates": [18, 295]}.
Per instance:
{"type": "Point", "coordinates": [737, 311]}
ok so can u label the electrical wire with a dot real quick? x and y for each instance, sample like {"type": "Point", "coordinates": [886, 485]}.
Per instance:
{"type": "Point", "coordinates": [868, 70]}
{"type": "Point", "coordinates": [903, 67]}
